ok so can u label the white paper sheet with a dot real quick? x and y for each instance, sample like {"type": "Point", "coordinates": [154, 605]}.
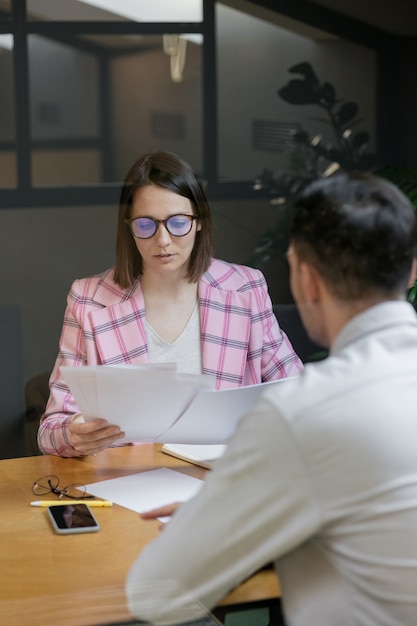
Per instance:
{"type": "Point", "coordinates": [203, 455]}
{"type": "Point", "coordinates": [212, 417]}
{"type": "Point", "coordinates": [144, 401]}
{"type": "Point", "coordinates": [147, 490]}
{"type": "Point", "coordinates": [160, 405]}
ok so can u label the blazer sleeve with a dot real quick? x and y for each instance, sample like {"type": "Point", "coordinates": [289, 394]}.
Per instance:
{"type": "Point", "coordinates": [268, 342]}
{"type": "Point", "coordinates": [74, 350]}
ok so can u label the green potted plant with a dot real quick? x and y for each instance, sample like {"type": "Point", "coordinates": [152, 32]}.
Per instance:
{"type": "Point", "coordinates": [314, 156]}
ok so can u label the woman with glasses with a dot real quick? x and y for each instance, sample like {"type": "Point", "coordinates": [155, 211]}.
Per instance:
{"type": "Point", "coordinates": [166, 300]}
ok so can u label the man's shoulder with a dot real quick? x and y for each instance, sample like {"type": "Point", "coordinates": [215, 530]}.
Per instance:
{"type": "Point", "coordinates": [318, 384]}
{"type": "Point", "coordinates": [368, 368]}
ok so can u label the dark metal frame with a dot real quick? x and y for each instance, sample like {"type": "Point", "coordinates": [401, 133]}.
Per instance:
{"type": "Point", "coordinates": [25, 195]}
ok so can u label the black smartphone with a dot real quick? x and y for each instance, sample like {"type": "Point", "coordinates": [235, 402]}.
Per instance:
{"type": "Point", "coordinates": [72, 518]}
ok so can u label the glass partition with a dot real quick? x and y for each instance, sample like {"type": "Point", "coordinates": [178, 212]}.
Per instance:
{"type": "Point", "coordinates": [5, 9]}
{"type": "Point", "coordinates": [99, 102]}
{"type": "Point", "coordinates": [8, 175]}
{"type": "Point", "coordinates": [256, 126]}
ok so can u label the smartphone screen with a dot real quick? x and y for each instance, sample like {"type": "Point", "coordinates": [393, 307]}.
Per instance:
{"type": "Point", "coordinates": [72, 518]}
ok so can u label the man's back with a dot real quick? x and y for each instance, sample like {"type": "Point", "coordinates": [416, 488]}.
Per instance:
{"type": "Point", "coordinates": [322, 478]}
{"type": "Point", "coordinates": [354, 421]}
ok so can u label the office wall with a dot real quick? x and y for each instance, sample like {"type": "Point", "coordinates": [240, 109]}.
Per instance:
{"type": "Point", "coordinates": [254, 59]}
{"type": "Point", "coordinates": [43, 250]}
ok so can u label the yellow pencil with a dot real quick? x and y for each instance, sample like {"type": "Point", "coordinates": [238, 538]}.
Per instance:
{"type": "Point", "coordinates": [60, 503]}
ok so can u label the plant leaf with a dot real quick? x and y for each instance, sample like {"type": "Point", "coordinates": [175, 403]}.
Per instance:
{"type": "Point", "coordinates": [360, 139]}
{"type": "Point", "coordinates": [306, 70]}
{"type": "Point", "coordinates": [302, 136]}
{"type": "Point", "coordinates": [327, 95]}
{"type": "Point", "coordinates": [347, 112]}
{"type": "Point", "coordinates": [298, 92]}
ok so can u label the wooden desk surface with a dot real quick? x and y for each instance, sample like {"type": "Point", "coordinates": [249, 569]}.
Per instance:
{"type": "Point", "coordinates": [78, 580]}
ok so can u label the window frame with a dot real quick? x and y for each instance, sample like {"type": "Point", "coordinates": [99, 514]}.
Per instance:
{"type": "Point", "coordinates": [25, 195]}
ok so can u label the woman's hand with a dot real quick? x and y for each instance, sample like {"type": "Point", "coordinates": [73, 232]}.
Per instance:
{"type": "Point", "coordinates": [93, 436]}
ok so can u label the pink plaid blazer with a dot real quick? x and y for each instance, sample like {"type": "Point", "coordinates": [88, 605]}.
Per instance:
{"type": "Point", "coordinates": [242, 343]}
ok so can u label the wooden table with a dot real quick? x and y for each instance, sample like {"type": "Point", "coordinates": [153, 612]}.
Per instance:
{"type": "Point", "coordinates": [78, 580]}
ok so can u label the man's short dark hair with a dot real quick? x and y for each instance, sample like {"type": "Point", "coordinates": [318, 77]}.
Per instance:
{"type": "Point", "coordinates": [359, 231]}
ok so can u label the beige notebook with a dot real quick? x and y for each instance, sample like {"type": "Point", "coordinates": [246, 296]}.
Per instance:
{"type": "Point", "coordinates": [203, 455]}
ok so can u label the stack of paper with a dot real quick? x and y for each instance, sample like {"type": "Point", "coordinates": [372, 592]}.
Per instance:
{"type": "Point", "coordinates": [157, 404]}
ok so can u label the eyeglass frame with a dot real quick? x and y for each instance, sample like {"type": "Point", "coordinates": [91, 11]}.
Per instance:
{"type": "Point", "coordinates": [191, 218]}
{"type": "Point", "coordinates": [61, 493]}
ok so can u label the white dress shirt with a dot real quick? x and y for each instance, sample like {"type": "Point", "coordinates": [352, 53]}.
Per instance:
{"type": "Point", "coordinates": [321, 478]}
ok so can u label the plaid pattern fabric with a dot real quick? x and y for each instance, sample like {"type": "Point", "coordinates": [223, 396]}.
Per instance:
{"type": "Point", "coordinates": [242, 343]}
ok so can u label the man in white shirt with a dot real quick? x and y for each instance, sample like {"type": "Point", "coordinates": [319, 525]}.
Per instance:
{"type": "Point", "coordinates": [321, 476]}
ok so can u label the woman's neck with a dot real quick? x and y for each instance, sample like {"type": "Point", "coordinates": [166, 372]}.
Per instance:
{"type": "Point", "coordinates": [163, 288]}
{"type": "Point", "coordinates": [168, 305]}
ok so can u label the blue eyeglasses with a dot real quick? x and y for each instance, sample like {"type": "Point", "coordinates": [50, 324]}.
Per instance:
{"type": "Point", "coordinates": [145, 227]}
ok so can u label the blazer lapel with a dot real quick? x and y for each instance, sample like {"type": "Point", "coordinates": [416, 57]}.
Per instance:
{"type": "Point", "coordinates": [118, 327]}
{"type": "Point", "coordinates": [225, 318]}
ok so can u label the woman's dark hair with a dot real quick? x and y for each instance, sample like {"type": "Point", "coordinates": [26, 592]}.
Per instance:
{"type": "Point", "coordinates": [359, 231]}
{"type": "Point", "coordinates": [167, 170]}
